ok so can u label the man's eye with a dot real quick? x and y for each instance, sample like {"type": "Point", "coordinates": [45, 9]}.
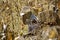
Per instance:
{"type": "Point", "coordinates": [34, 21]}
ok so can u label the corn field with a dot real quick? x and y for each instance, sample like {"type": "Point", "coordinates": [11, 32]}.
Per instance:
{"type": "Point", "coordinates": [14, 13]}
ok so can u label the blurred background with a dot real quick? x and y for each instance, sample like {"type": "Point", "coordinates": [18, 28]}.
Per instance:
{"type": "Point", "coordinates": [29, 19]}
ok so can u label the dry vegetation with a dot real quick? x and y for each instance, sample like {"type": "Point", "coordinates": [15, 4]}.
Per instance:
{"type": "Point", "coordinates": [10, 15]}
